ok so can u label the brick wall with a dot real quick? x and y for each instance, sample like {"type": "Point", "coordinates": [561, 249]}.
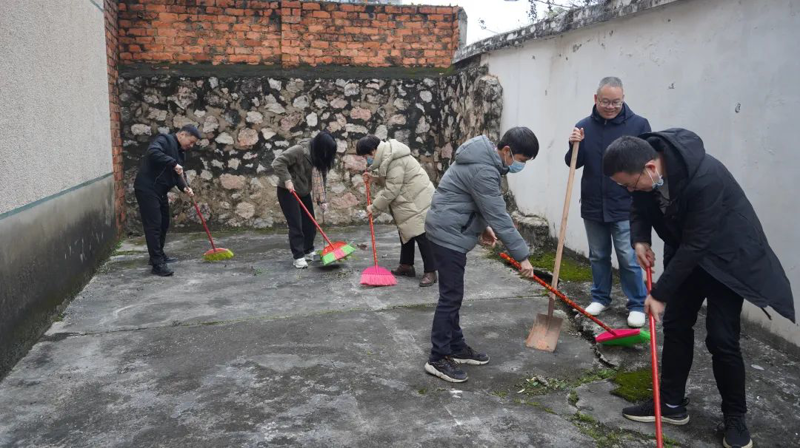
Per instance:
{"type": "Point", "coordinates": [287, 33]}
{"type": "Point", "coordinates": [112, 56]}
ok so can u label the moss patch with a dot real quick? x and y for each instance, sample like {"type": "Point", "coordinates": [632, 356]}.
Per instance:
{"type": "Point", "coordinates": [606, 437]}
{"type": "Point", "coordinates": [539, 385]}
{"type": "Point", "coordinates": [571, 270]}
{"type": "Point", "coordinates": [634, 386]}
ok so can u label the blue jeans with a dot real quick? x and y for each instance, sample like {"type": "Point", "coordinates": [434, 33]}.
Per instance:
{"type": "Point", "coordinates": [600, 235]}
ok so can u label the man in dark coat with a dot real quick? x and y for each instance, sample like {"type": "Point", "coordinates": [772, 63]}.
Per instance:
{"type": "Point", "coordinates": [605, 206]}
{"type": "Point", "coordinates": [714, 249]}
{"type": "Point", "coordinates": [160, 171]}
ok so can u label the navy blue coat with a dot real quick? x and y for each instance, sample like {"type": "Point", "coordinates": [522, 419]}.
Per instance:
{"type": "Point", "coordinates": [602, 199]}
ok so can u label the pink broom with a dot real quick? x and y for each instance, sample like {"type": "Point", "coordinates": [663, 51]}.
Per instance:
{"type": "Point", "coordinates": [375, 275]}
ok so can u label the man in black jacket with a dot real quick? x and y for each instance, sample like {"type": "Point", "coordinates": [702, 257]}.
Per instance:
{"type": "Point", "coordinates": [160, 171]}
{"type": "Point", "coordinates": [605, 206]}
{"type": "Point", "coordinates": [714, 249]}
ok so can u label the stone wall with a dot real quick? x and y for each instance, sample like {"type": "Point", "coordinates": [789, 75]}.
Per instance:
{"type": "Point", "coordinates": [247, 121]}
{"type": "Point", "coordinates": [287, 33]}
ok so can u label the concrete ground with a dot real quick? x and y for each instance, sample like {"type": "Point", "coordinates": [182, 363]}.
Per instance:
{"type": "Point", "coordinates": [251, 352]}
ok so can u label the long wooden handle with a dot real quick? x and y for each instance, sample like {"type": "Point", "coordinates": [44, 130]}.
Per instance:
{"type": "Point", "coordinates": [562, 232]}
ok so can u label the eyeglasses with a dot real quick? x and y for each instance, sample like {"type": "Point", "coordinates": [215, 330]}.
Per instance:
{"type": "Point", "coordinates": [616, 104]}
{"type": "Point", "coordinates": [634, 184]}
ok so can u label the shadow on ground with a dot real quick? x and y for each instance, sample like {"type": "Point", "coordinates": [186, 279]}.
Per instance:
{"type": "Point", "coordinates": [251, 352]}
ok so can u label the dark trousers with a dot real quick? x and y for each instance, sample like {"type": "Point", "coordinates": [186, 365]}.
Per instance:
{"type": "Point", "coordinates": [446, 335]}
{"type": "Point", "coordinates": [154, 210]}
{"type": "Point", "coordinates": [301, 229]}
{"type": "Point", "coordinates": [425, 251]}
{"type": "Point", "coordinates": [722, 325]}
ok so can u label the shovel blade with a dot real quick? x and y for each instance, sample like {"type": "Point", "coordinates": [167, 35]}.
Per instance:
{"type": "Point", "coordinates": [545, 332]}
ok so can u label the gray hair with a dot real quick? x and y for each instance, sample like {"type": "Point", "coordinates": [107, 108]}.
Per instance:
{"type": "Point", "coordinates": [612, 81]}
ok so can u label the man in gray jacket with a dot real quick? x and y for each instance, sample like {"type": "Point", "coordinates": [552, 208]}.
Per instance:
{"type": "Point", "coordinates": [467, 207]}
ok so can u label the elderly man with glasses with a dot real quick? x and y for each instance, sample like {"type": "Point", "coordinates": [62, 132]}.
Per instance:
{"type": "Point", "coordinates": [605, 206]}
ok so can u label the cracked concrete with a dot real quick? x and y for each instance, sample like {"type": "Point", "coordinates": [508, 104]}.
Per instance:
{"type": "Point", "coordinates": [251, 352]}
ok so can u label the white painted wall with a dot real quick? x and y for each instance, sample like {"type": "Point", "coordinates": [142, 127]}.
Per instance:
{"type": "Point", "coordinates": [690, 64]}
{"type": "Point", "coordinates": [54, 112]}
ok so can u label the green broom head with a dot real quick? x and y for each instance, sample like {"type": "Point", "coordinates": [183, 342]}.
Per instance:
{"type": "Point", "coordinates": [218, 254]}
{"type": "Point", "coordinates": [337, 251]}
{"type": "Point", "coordinates": [624, 338]}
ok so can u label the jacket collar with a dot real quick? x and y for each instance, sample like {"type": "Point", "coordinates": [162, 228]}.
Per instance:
{"type": "Point", "coordinates": [623, 115]}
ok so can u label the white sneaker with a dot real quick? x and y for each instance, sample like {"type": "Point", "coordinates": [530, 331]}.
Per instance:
{"type": "Point", "coordinates": [636, 319]}
{"type": "Point", "coordinates": [300, 263]}
{"type": "Point", "coordinates": [595, 308]}
{"type": "Point", "coordinates": [311, 257]}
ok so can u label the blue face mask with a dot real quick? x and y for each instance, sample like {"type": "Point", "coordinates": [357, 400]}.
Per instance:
{"type": "Point", "coordinates": [660, 182]}
{"type": "Point", "coordinates": [369, 161]}
{"type": "Point", "coordinates": [516, 167]}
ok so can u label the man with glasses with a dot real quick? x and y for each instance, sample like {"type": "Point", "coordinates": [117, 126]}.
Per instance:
{"type": "Point", "coordinates": [605, 206]}
{"type": "Point", "coordinates": [714, 250]}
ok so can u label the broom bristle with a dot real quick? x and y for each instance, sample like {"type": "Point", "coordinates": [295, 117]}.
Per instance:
{"type": "Point", "coordinates": [377, 276]}
{"type": "Point", "coordinates": [218, 254]}
{"type": "Point", "coordinates": [624, 338]}
{"type": "Point", "coordinates": [336, 251]}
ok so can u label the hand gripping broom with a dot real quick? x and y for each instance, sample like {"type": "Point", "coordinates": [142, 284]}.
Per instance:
{"type": "Point", "coordinates": [375, 275]}
{"type": "Point", "coordinates": [654, 365]}
{"type": "Point", "coordinates": [334, 250]}
{"type": "Point", "coordinates": [626, 337]}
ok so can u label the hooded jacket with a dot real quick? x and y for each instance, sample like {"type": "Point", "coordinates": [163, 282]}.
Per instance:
{"type": "Point", "coordinates": [469, 198]}
{"type": "Point", "coordinates": [407, 189]}
{"type": "Point", "coordinates": [708, 223]}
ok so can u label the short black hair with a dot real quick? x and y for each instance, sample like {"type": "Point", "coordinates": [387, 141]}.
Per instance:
{"type": "Point", "coordinates": [366, 145]}
{"type": "Point", "coordinates": [521, 140]}
{"type": "Point", "coordinates": [627, 154]}
{"type": "Point", "coordinates": [191, 130]}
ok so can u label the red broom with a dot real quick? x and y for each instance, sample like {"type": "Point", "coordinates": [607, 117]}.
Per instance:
{"type": "Point", "coordinates": [216, 253]}
{"type": "Point", "coordinates": [624, 337]}
{"type": "Point", "coordinates": [375, 275]}
{"type": "Point", "coordinates": [333, 251]}
{"type": "Point", "coordinates": [654, 363]}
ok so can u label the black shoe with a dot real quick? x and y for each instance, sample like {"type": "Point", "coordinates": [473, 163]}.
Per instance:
{"type": "Point", "coordinates": [167, 259]}
{"type": "Point", "coordinates": [446, 369]}
{"type": "Point", "coordinates": [470, 356]}
{"type": "Point", "coordinates": [163, 270]}
{"type": "Point", "coordinates": [736, 433]}
{"type": "Point", "coordinates": [645, 412]}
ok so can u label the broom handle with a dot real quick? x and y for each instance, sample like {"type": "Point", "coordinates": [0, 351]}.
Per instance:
{"type": "Point", "coordinates": [205, 226]}
{"type": "Point", "coordinates": [372, 229]}
{"type": "Point", "coordinates": [562, 231]}
{"type": "Point", "coordinates": [654, 363]}
{"type": "Point", "coordinates": [560, 295]}
{"type": "Point", "coordinates": [203, 220]}
{"type": "Point", "coordinates": [312, 218]}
